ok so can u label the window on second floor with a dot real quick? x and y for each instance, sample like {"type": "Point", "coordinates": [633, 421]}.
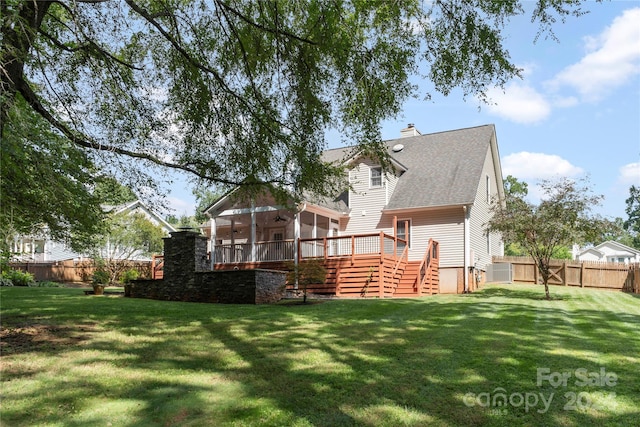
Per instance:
{"type": "Point", "coordinates": [375, 177]}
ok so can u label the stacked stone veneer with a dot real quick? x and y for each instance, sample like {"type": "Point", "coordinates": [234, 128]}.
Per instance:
{"type": "Point", "coordinates": [187, 277]}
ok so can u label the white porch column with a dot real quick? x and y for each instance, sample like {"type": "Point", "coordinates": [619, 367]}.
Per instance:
{"type": "Point", "coordinates": [296, 245]}
{"type": "Point", "coordinates": [253, 231]}
{"type": "Point", "coordinates": [314, 233]}
{"type": "Point", "coordinates": [212, 242]}
{"type": "Point", "coordinates": [233, 241]}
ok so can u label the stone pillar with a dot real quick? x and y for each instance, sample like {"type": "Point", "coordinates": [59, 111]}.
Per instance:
{"type": "Point", "coordinates": [185, 253]}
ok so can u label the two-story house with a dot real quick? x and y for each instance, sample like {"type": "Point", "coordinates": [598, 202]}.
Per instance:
{"type": "Point", "coordinates": [416, 229]}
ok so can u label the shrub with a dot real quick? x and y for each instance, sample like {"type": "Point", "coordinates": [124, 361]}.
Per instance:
{"type": "Point", "coordinates": [20, 278]}
{"type": "Point", "coordinates": [5, 281]}
{"type": "Point", "coordinates": [100, 277]}
{"type": "Point", "coordinates": [308, 273]}
{"type": "Point", "coordinates": [128, 275]}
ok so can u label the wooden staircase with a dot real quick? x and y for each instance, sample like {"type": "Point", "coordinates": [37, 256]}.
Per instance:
{"type": "Point", "coordinates": [421, 277]}
{"type": "Point", "coordinates": [378, 275]}
{"type": "Point", "coordinates": [407, 284]}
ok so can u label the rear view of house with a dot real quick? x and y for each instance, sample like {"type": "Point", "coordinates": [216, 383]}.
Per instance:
{"type": "Point", "coordinates": [415, 228]}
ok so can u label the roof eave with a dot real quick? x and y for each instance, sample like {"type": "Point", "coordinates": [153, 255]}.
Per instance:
{"type": "Point", "coordinates": [424, 208]}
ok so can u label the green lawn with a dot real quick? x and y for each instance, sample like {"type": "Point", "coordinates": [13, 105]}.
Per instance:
{"type": "Point", "coordinates": [75, 360]}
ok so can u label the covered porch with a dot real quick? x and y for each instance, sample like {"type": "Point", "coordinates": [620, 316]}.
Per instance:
{"type": "Point", "coordinates": [272, 236]}
{"type": "Point", "coordinates": [265, 231]}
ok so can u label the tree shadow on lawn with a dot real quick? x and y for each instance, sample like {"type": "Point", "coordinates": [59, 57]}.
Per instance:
{"type": "Point", "coordinates": [417, 368]}
{"type": "Point", "coordinates": [535, 293]}
{"type": "Point", "coordinates": [373, 362]}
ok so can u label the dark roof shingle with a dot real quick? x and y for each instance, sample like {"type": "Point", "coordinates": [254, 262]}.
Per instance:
{"type": "Point", "coordinates": [443, 169]}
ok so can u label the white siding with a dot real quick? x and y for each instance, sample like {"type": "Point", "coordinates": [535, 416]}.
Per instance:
{"type": "Point", "coordinates": [366, 203]}
{"type": "Point", "coordinates": [446, 226]}
{"type": "Point", "coordinates": [391, 179]}
{"type": "Point", "coordinates": [480, 215]}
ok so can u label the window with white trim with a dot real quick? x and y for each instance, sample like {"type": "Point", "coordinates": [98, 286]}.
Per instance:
{"type": "Point", "coordinates": [375, 175]}
{"type": "Point", "coordinates": [403, 230]}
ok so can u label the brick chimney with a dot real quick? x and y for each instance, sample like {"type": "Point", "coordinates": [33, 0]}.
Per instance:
{"type": "Point", "coordinates": [410, 130]}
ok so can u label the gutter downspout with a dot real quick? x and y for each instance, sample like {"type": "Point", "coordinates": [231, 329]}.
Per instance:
{"type": "Point", "coordinates": [467, 212]}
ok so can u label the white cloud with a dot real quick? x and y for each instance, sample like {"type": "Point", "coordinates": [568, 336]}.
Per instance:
{"type": "Point", "coordinates": [630, 174]}
{"type": "Point", "coordinates": [613, 58]}
{"type": "Point", "coordinates": [519, 103]}
{"type": "Point", "coordinates": [179, 206]}
{"type": "Point", "coordinates": [530, 167]}
{"type": "Point", "coordinates": [565, 102]}
{"type": "Point", "coordinates": [534, 167]}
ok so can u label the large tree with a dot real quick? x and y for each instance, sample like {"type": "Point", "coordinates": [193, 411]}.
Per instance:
{"type": "Point", "coordinates": [562, 217]}
{"type": "Point", "coordinates": [632, 224]}
{"type": "Point", "coordinates": [514, 191]}
{"type": "Point", "coordinates": [128, 236]}
{"type": "Point", "coordinates": [45, 182]}
{"type": "Point", "coordinates": [238, 92]}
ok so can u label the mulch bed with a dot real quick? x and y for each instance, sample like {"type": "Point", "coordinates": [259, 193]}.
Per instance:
{"type": "Point", "coordinates": [39, 336]}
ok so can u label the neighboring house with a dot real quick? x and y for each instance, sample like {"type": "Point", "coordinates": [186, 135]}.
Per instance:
{"type": "Point", "coordinates": [608, 251]}
{"type": "Point", "coordinates": [436, 199]}
{"type": "Point", "coordinates": [41, 248]}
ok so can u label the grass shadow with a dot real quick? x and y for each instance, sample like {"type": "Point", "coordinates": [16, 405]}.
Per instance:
{"type": "Point", "coordinates": [342, 362]}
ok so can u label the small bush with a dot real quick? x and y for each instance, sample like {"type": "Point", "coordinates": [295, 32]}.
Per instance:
{"type": "Point", "coordinates": [5, 281]}
{"type": "Point", "coordinates": [20, 278]}
{"type": "Point", "coordinates": [308, 273]}
{"type": "Point", "coordinates": [128, 275]}
{"type": "Point", "coordinates": [100, 277]}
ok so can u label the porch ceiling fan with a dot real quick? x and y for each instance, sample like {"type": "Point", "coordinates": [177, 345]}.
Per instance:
{"type": "Point", "coordinates": [280, 218]}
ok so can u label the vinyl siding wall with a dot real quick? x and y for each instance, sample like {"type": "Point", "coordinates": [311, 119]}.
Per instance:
{"type": "Point", "coordinates": [480, 215]}
{"type": "Point", "coordinates": [446, 226]}
{"type": "Point", "coordinates": [443, 225]}
{"type": "Point", "coordinates": [366, 203]}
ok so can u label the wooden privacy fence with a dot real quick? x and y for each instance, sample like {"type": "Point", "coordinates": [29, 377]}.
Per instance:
{"type": "Point", "coordinates": [586, 274]}
{"type": "Point", "coordinates": [72, 271]}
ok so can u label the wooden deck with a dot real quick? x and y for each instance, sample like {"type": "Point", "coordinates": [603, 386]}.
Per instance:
{"type": "Point", "coordinates": [384, 274]}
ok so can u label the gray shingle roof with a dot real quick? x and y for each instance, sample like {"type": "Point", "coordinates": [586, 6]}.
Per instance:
{"type": "Point", "coordinates": [443, 168]}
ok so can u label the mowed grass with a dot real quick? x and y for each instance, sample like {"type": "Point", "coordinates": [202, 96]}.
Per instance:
{"type": "Point", "coordinates": [75, 360]}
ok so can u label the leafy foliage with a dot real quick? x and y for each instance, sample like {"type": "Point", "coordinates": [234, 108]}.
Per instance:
{"type": "Point", "coordinates": [632, 224]}
{"type": "Point", "coordinates": [45, 181]}
{"type": "Point", "coordinates": [129, 236]}
{"type": "Point", "coordinates": [129, 275]}
{"type": "Point", "coordinates": [306, 273]}
{"type": "Point", "coordinates": [18, 278]}
{"type": "Point", "coordinates": [237, 93]}
{"type": "Point", "coordinates": [205, 197]}
{"type": "Point", "coordinates": [561, 218]}
{"type": "Point", "coordinates": [111, 192]}
{"type": "Point", "coordinates": [100, 276]}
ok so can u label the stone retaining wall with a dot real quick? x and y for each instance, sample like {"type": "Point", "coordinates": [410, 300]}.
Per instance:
{"type": "Point", "coordinates": [226, 287]}
{"type": "Point", "coordinates": [186, 277]}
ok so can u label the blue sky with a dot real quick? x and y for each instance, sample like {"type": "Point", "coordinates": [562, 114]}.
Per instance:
{"type": "Point", "coordinates": [576, 111]}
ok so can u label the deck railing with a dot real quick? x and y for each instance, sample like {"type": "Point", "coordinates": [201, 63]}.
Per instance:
{"type": "Point", "coordinates": [278, 250]}
{"type": "Point", "coordinates": [325, 247]}
{"type": "Point", "coordinates": [351, 246]}
{"type": "Point", "coordinates": [424, 271]}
